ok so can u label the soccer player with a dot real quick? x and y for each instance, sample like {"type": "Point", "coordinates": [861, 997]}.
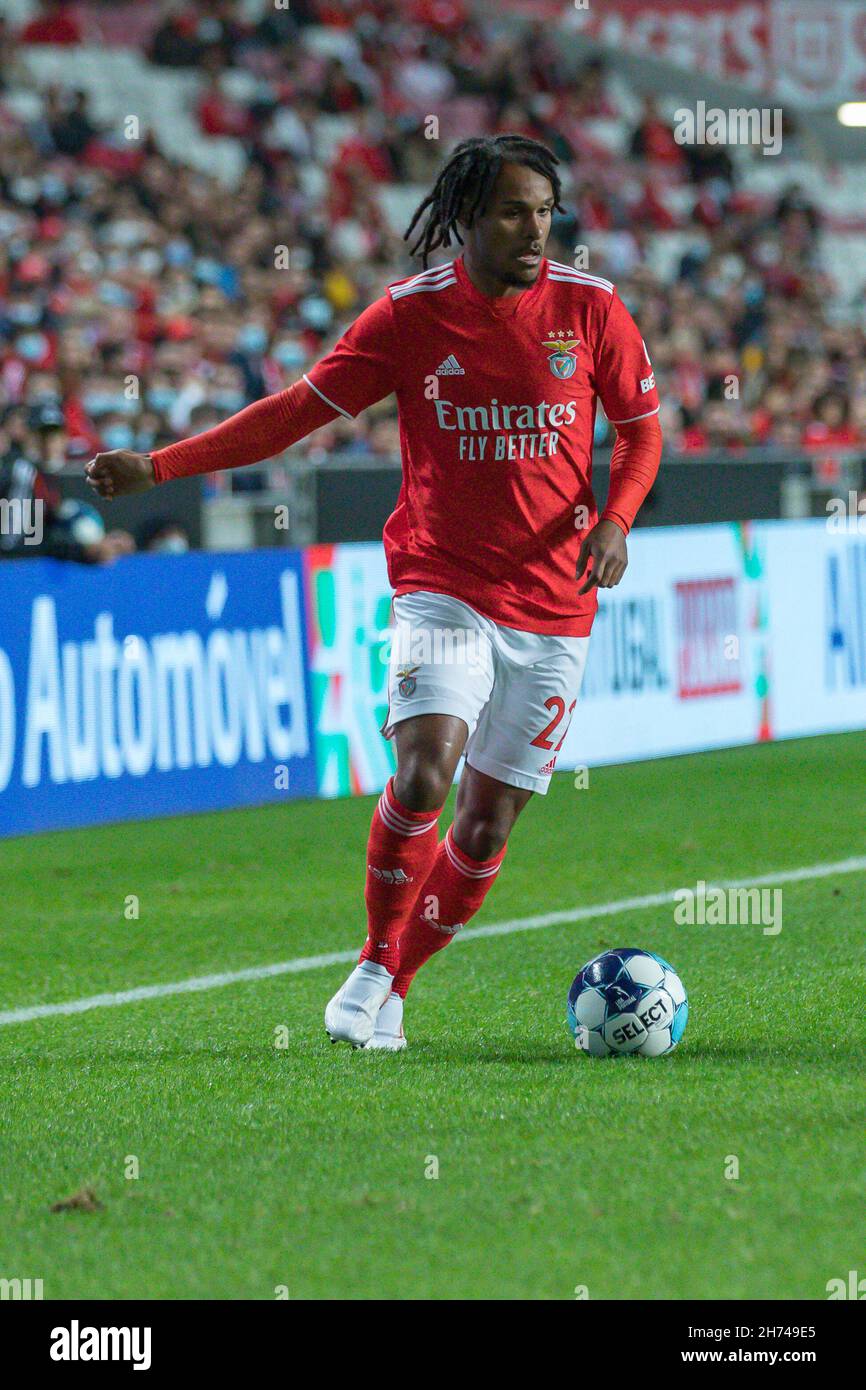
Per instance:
{"type": "Point", "coordinates": [495, 548]}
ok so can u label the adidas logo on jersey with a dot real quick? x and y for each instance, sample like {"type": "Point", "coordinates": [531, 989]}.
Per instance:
{"type": "Point", "coordinates": [450, 367]}
{"type": "Point", "coordinates": [396, 876]}
{"type": "Point", "coordinates": [548, 768]}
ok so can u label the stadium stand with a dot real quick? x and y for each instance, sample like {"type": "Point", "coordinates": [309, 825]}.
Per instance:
{"type": "Point", "coordinates": [156, 158]}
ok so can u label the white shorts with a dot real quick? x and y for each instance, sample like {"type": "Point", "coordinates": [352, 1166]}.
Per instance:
{"type": "Point", "coordinates": [515, 690]}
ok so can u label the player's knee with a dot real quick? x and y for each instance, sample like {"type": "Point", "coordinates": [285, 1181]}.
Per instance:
{"type": "Point", "coordinates": [481, 837]}
{"type": "Point", "coordinates": [422, 783]}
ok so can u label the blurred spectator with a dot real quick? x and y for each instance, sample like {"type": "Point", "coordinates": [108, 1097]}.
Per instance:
{"type": "Point", "coordinates": [11, 71]}
{"type": "Point", "coordinates": [653, 139]}
{"type": "Point", "coordinates": [592, 96]}
{"type": "Point", "coordinates": [71, 128]}
{"type": "Point", "coordinates": [339, 93]}
{"type": "Point", "coordinates": [174, 43]}
{"type": "Point", "coordinates": [163, 535]}
{"type": "Point", "coordinates": [38, 521]}
{"type": "Point", "coordinates": [722, 427]}
{"type": "Point", "coordinates": [709, 163]}
{"type": "Point", "coordinates": [219, 115]}
{"type": "Point", "coordinates": [54, 23]}
{"type": "Point", "coordinates": [830, 422]}
{"type": "Point", "coordinates": [186, 32]}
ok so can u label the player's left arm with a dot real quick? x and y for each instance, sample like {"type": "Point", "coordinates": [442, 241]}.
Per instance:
{"type": "Point", "coordinates": [625, 384]}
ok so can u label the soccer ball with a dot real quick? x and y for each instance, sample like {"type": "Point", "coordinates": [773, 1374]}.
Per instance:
{"type": "Point", "coordinates": [627, 1001]}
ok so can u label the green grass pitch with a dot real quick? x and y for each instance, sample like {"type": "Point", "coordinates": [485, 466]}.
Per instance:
{"type": "Point", "coordinates": [308, 1166]}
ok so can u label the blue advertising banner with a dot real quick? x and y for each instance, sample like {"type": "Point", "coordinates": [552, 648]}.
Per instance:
{"type": "Point", "coordinates": [157, 686]}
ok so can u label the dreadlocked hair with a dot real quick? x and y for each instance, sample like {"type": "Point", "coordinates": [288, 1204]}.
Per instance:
{"type": "Point", "coordinates": [464, 185]}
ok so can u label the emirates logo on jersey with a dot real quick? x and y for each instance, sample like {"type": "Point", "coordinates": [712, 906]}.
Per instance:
{"type": "Point", "coordinates": [562, 360]}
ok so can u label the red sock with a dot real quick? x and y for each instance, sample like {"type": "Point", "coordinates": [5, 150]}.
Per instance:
{"type": "Point", "coordinates": [400, 852]}
{"type": "Point", "coordinates": [453, 892]}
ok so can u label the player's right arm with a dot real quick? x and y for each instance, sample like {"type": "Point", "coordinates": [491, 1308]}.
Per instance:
{"type": "Point", "coordinates": [358, 371]}
{"type": "Point", "coordinates": [259, 431]}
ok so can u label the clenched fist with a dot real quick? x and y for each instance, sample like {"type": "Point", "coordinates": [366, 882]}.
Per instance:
{"type": "Point", "coordinates": [119, 473]}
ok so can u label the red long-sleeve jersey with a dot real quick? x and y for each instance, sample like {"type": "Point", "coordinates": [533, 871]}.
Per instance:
{"type": "Point", "coordinates": [497, 402]}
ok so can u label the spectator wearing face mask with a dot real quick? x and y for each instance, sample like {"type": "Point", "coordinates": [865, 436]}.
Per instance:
{"type": "Point", "coordinates": [38, 521]}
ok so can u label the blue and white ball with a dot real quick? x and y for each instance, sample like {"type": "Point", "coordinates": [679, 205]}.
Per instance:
{"type": "Point", "coordinates": [627, 1001]}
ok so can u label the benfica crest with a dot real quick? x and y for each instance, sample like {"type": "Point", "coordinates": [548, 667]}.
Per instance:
{"type": "Point", "coordinates": [563, 362]}
{"type": "Point", "coordinates": [407, 680]}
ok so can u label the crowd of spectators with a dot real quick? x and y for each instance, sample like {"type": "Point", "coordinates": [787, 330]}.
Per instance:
{"type": "Point", "coordinates": [147, 302]}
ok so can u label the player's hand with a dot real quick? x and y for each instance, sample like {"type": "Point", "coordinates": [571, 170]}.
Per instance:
{"type": "Point", "coordinates": [120, 472]}
{"type": "Point", "coordinates": [605, 546]}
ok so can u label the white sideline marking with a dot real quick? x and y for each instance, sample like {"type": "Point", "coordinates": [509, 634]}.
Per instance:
{"type": "Point", "coordinates": [302, 963]}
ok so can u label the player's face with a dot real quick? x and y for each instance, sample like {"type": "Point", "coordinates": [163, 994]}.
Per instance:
{"type": "Point", "coordinates": [507, 242]}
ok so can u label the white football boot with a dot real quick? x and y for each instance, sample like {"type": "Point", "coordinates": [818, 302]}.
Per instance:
{"type": "Point", "coordinates": [351, 1015]}
{"type": "Point", "coordinates": [388, 1035]}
